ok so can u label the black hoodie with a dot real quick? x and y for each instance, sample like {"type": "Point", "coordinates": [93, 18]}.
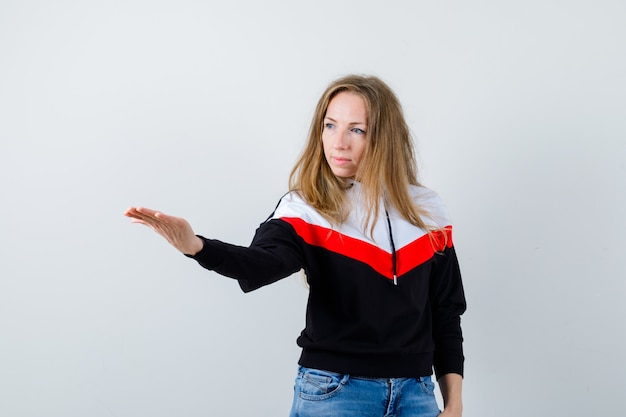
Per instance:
{"type": "Point", "coordinates": [385, 304]}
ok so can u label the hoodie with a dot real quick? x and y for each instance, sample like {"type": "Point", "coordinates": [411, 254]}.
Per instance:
{"type": "Point", "coordinates": [381, 304]}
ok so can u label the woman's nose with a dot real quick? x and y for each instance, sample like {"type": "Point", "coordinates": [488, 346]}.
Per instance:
{"type": "Point", "coordinates": [341, 140]}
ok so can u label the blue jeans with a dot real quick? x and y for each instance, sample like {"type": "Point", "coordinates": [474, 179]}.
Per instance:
{"type": "Point", "coordinates": [328, 394]}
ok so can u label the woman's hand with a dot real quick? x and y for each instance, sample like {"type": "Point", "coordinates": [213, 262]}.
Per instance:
{"type": "Point", "coordinates": [446, 413]}
{"type": "Point", "coordinates": [175, 230]}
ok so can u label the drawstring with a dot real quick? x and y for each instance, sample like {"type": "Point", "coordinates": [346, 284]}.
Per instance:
{"type": "Point", "coordinates": [393, 249]}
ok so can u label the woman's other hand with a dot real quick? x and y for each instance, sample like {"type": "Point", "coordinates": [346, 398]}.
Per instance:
{"type": "Point", "coordinates": [175, 230]}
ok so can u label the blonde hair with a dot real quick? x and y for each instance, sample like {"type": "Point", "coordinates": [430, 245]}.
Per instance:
{"type": "Point", "coordinates": [387, 167]}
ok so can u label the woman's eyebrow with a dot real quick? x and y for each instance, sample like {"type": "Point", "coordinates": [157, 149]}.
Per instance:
{"type": "Point", "coordinates": [349, 124]}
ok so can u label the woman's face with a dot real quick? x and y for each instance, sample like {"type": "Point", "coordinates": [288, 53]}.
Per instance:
{"type": "Point", "coordinates": [344, 133]}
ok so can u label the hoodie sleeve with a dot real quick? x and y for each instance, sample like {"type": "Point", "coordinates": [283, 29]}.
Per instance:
{"type": "Point", "coordinates": [274, 253]}
{"type": "Point", "coordinates": [447, 299]}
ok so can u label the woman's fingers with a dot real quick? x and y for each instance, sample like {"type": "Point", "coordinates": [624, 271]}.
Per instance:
{"type": "Point", "coordinates": [147, 216]}
{"type": "Point", "coordinates": [140, 212]}
{"type": "Point", "coordinates": [154, 219]}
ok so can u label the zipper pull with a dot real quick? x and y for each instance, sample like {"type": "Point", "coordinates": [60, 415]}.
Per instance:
{"type": "Point", "coordinates": [395, 279]}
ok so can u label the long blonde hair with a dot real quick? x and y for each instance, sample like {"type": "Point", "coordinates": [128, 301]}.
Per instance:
{"type": "Point", "coordinates": [387, 167]}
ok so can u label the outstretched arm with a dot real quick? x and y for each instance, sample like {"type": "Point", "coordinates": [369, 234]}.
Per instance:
{"type": "Point", "coordinates": [175, 230]}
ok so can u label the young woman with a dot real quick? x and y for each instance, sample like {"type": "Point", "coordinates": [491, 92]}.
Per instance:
{"type": "Point", "coordinates": [385, 294]}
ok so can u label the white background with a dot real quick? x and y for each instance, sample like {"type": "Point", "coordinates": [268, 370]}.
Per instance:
{"type": "Point", "coordinates": [200, 108]}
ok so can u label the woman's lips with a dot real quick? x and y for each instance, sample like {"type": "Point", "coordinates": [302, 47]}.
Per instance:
{"type": "Point", "coordinates": [341, 161]}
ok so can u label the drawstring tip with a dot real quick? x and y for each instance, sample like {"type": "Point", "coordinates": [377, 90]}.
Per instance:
{"type": "Point", "coordinates": [395, 279]}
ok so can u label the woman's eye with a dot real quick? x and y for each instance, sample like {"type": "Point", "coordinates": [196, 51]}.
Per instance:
{"type": "Point", "coordinates": [358, 131]}
{"type": "Point", "coordinates": [328, 125]}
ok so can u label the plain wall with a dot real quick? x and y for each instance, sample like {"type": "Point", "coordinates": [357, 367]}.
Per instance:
{"type": "Point", "coordinates": [200, 108]}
